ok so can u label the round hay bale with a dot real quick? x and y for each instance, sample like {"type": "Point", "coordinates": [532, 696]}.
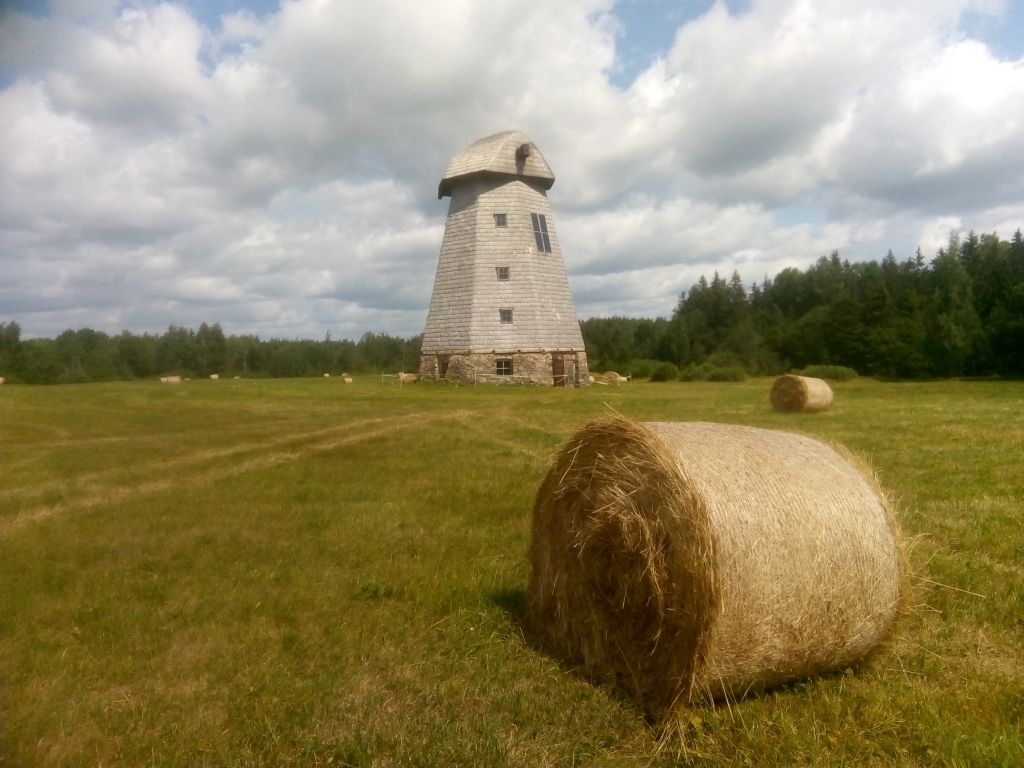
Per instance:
{"type": "Point", "coordinates": [800, 394]}
{"type": "Point", "coordinates": [610, 376]}
{"type": "Point", "coordinates": [691, 561]}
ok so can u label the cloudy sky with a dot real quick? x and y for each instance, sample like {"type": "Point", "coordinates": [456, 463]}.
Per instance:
{"type": "Point", "coordinates": [273, 166]}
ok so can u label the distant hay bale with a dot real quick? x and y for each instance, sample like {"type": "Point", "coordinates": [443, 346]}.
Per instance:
{"type": "Point", "coordinates": [611, 377]}
{"type": "Point", "coordinates": [170, 379]}
{"type": "Point", "coordinates": [214, 376]}
{"type": "Point", "coordinates": [327, 375]}
{"type": "Point", "coordinates": [1, 379]}
{"type": "Point", "coordinates": [800, 394]}
{"type": "Point", "coordinates": [687, 561]}
{"type": "Point", "coordinates": [347, 379]}
{"type": "Point", "coordinates": [408, 378]}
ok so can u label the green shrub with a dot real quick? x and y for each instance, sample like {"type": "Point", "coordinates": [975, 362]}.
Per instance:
{"type": "Point", "coordinates": [639, 369]}
{"type": "Point", "coordinates": [729, 373]}
{"type": "Point", "coordinates": [694, 372]}
{"type": "Point", "coordinates": [831, 372]}
{"type": "Point", "coordinates": [709, 372]}
{"type": "Point", "coordinates": [665, 372]}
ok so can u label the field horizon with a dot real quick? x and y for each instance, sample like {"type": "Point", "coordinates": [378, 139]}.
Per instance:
{"type": "Point", "coordinates": [299, 571]}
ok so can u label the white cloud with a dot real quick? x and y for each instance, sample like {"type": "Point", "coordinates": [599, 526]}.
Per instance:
{"type": "Point", "coordinates": [278, 174]}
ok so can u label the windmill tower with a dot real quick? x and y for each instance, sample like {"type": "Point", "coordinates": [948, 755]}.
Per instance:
{"type": "Point", "coordinates": [501, 309]}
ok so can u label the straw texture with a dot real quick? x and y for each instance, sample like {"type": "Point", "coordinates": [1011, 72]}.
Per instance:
{"type": "Point", "coordinates": [800, 394]}
{"type": "Point", "coordinates": [693, 561]}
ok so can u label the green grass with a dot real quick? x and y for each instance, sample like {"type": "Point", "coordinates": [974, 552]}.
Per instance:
{"type": "Point", "coordinates": [303, 572]}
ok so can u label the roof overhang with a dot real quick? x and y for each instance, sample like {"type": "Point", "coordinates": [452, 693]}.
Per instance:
{"type": "Point", "coordinates": [444, 189]}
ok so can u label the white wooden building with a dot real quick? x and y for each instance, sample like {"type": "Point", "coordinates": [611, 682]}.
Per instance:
{"type": "Point", "coordinates": [501, 309]}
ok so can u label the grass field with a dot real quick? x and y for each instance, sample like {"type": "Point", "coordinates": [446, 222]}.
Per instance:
{"type": "Point", "coordinates": [303, 572]}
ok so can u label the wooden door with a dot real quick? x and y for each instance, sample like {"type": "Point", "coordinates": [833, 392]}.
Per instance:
{"type": "Point", "coordinates": [557, 370]}
{"type": "Point", "coordinates": [569, 370]}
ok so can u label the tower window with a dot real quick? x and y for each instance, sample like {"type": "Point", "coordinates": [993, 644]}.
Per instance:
{"type": "Point", "coordinates": [502, 273]}
{"type": "Point", "coordinates": [540, 232]}
{"type": "Point", "coordinates": [503, 367]}
{"type": "Point", "coordinates": [501, 219]}
{"type": "Point", "coordinates": [505, 315]}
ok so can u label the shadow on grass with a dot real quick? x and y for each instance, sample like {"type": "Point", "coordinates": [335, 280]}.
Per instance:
{"type": "Point", "coordinates": [512, 601]}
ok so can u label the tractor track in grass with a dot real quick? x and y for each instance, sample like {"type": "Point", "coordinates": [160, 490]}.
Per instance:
{"type": "Point", "coordinates": [97, 496]}
{"type": "Point", "coordinates": [95, 481]}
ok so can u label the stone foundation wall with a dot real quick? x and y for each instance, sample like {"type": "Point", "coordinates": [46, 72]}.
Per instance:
{"type": "Point", "coordinates": [480, 368]}
{"type": "Point", "coordinates": [582, 370]}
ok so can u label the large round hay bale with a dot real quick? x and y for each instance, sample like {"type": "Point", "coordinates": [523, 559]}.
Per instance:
{"type": "Point", "coordinates": [611, 376]}
{"type": "Point", "coordinates": [693, 561]}
{"type": "Point", "coordinates": [800, 394]}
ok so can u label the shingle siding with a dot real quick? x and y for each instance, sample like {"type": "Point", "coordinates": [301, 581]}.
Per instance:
{"type": "Point", "coordinates": [467, 296]}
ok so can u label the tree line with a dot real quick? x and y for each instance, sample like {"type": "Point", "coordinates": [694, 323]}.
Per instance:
{"type": "Point", "coordinates": [87, 355]}
{"type": "Point", "coordinates": [962, 313]}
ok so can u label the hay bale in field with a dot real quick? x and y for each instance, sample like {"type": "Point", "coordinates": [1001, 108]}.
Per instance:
{"type": "Point", "coordinates": [327, 375]}
{"type": "Point", "coordinates": [800, 394]}
{"type": "Point", "coordinates": [408, 378]}
{"type": "Point", "coordinates": [611, 377]}
{"type": "Point", "coordinates": [214, 376]}
{"type": "Point", "coordinates": [1, 379]}
{"type": "Point", "coordinates": [347, 379]}
{"type": "Point", "coordinates": [691, 561]}
{"type": "Point", "coordinates": [170, 379]}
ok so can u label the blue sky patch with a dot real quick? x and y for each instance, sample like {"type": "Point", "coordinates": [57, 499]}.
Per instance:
{"type": "Point", "coordinates": [649, 29]}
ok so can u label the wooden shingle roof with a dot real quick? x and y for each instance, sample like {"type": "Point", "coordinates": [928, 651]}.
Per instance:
{"type": "Point", "coordinates": [509, 153]}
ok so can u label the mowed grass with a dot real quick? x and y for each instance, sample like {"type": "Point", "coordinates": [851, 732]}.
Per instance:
{"type": "Point", "coordinates": [304, 572]}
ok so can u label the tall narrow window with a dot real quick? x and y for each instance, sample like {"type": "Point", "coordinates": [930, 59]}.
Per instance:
{"type": "Point", "coordinates": [501, 219]}
{"type": "Point", "coordinates": [503, 367]}
{"type": "Point", "coordinates": [505, 315]}
{"type": "Point", "coordinates": [540, 232]}
{"type": "Point", "coordinates": [502, 273]}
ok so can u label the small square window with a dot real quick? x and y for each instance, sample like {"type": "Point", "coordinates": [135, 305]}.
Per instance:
{"type": "Point", "coordinates": [505, 315]}
{"type": "Point", "coordinates": [503, 367]}
{"type": "Point", "coordinates": [501, 219]}
{"type": "Point", "coordinates": [502, 273]}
